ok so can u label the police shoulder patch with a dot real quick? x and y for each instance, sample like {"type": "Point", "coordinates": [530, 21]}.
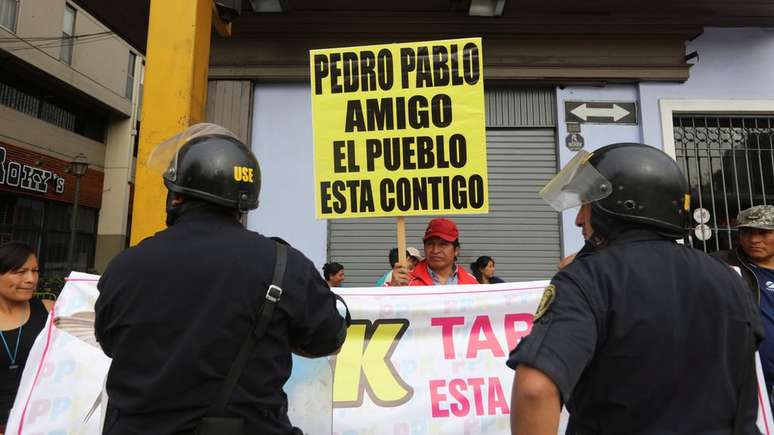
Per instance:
{"type": "Point", "coordinates": [545, 302]}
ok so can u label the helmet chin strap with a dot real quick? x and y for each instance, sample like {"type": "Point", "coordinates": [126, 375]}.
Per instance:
{"type": "Point", "coordinates": [242, 206]}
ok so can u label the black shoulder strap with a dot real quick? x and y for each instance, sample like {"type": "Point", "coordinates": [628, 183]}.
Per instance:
{"type": "Point", "coordinates": [273, 295]}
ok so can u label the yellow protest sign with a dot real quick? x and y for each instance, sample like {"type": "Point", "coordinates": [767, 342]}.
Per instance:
{"type": "Point", "coordinates": [399, 129]}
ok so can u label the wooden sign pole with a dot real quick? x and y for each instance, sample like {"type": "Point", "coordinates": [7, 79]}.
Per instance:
{"type": "Point", "coordinates": [401, 221]}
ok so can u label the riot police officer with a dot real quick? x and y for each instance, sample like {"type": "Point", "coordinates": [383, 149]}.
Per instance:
{"type": "Point", "coordinates": [639, 334]}
{"type": "Point", "coordinates": [177, 311]}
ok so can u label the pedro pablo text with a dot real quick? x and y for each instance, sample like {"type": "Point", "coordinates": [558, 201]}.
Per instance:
{"type": "Point", "coordinates": [399, 129]}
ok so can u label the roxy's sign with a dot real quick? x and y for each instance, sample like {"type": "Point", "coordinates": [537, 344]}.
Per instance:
{"type": "Point", "coordinates": [32, 178]}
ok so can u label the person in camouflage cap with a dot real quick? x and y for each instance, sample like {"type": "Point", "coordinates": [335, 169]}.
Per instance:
{"type": "Point", "coordinates": [756, 244]}
{"type": "Point", "coordinates": [755, 259]}
{"type": "Point", "coordinates": [760, 217]}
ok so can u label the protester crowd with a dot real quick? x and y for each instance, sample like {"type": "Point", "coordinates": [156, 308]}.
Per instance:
{"type": "Point", "coordinates": [438, 264]}
{"type": "Point", "coordinates": [567, 357]}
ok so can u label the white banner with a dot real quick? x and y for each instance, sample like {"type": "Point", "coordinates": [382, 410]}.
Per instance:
{"type": "Point", "coordinates": [426, 360]}
{"type": "Point", "coordinates": [65, 371]}
{"type": "Point", "coordinates": [417, 360]}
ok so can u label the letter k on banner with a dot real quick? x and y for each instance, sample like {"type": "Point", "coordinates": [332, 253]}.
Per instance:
{"type": "Point", "coordinates": [364, 364]}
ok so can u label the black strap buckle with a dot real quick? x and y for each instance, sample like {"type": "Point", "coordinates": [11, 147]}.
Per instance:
{"type": "Point", "coordinates": [274, 293]}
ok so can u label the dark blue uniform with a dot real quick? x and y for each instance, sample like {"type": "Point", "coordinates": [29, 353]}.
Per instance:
{"type": "Point", "coordinates": [646, 336]}
{"type": "Point", "coordinates": [174, 311]}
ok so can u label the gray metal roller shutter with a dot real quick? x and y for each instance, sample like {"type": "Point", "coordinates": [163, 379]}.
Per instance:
{"type": "Point", "coordinates": [520, 232]}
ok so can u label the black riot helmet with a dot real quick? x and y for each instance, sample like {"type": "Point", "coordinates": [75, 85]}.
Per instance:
{"type": "Point", "coordinates": [634, 184]}
{"type": "Point", "coordinates": [209, 163]}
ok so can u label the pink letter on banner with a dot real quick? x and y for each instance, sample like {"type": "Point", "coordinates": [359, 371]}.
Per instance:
{"type": "Point", "coordinates": [38, 408]}
{"type": "Point", "coordinates": [513, 336]}
{"type": "Point", "coordinates": [436, 398]}
{"type": "Point", "coordinates": [497, 398]}
{"type": "Point", "coordinates": [462, 407]}
{"type": "Point", "coordinates": [475, 344]}
{"type": "Point", "coordinates": [476, 383]}
{"type": "Point", "coordinates": [447, 325]}
{"type": "Point", "coordinates": [47, 370]}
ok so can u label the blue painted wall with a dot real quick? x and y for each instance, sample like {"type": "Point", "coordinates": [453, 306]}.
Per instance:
{"type": "Point", "coordinates": [282, 141]}
{"type": "Point", "coordinates": [733, 64]}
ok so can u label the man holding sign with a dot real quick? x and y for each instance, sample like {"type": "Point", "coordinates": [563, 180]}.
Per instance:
{"type": "Point", "coordinates": [638, 335]}
{"type": "Point", "coordinates": [399, 131]}
{"type": "Point", "coordinates": [442, 247]}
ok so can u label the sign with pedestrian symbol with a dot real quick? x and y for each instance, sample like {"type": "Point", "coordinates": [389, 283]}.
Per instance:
{"type": "Point", "coordinates": [601, 112]}
{"type": "Point", "coordinates": [574, 142]}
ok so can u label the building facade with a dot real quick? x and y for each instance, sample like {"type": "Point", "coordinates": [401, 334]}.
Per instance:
{"type": "Point", "coordinates": [693, 78]}
{"type": "Point", "coordinates": [698, 88]}
{"type": "Point", "coordinates": [69, 91]}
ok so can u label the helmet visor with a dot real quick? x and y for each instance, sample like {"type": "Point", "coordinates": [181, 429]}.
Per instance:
{"type": "Point", "coordinates": [163, 158]}
{"type": "Point", "coordinates": [576, 184]}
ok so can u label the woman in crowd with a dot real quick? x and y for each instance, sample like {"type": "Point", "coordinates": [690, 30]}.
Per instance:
{"type": "Point", "coordinates": [334, 274]}
{"type": "Point", "coordinates": [22, 317]}
{"type": "Point", "coordinates": [483, 269]}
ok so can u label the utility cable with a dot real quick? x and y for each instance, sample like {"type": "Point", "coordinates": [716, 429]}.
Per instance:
{"type": "Point", "coordinates": [51, 38]}
{"type": "Point", "coordinates": [58, 44]}
{"type": "Point", "coordinates": [71, 67]}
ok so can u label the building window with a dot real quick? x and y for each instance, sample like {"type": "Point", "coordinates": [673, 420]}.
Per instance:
{"type": "Point", "coordinates": [68, 30]}
{"type": "Point", "coordinates": [19, 100]}
{"type": "Point", "coordinates": [729, 162]}
{"type": "Point", "coordinates": [8, 14]}
{"type": "Point", "coordinates": [138, 106]}
{"type": "Point", "coordinates": [55, 109]}
{"type": "Point", "coordinates": [130, 75]}
{"type": "Point", "coordinates": [45, 225]}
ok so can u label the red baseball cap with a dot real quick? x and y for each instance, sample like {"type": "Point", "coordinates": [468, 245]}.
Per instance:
{"type": "Point", "coordinates": [442, 228]}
